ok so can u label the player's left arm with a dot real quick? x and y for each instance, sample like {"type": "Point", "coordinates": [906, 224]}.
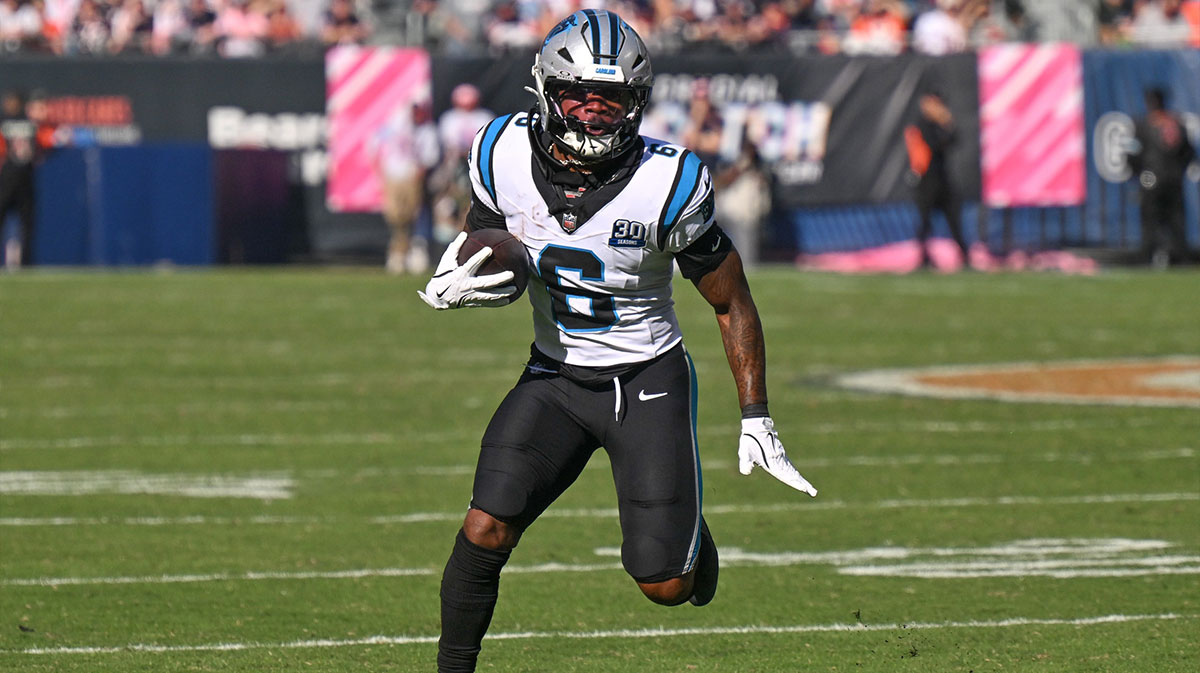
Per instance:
{"type": "Point", "coordinates": [706, 256]}
{"type": "Point", "coordinates": [726, 289]}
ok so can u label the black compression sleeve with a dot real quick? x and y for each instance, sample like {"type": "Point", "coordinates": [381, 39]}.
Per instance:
{"type": "Point", "coordinates": [704, 254]}
{"type": "Point", "coordinates": [481, 216]}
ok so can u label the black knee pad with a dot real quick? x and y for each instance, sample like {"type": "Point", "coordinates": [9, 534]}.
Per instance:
{"type": "Point", "coordinates": [647, 559]}
{"type": "Point", "coordinates": [503, 495]}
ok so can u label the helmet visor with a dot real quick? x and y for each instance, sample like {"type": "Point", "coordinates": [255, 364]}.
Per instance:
{"type": "Point", "coordinates": [609, 103]}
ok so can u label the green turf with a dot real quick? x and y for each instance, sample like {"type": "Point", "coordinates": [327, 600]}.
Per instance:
{"type": "Point", "coordinates": [365, 407]}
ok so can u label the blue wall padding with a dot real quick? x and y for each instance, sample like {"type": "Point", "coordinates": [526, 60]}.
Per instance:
{"type": "Point", "coordinates": [127, 205]}
{"type": "Point", "coordinates": [61, 216]}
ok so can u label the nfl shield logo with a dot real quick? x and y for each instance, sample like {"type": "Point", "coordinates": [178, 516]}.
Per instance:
{"type": "Point", "coordinates": [569, 223]}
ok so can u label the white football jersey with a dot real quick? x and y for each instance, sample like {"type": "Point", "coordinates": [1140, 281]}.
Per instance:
{"type": "Point", "coordinates": [601, 292]}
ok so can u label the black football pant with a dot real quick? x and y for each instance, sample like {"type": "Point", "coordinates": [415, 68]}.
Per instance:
{"type": "Point", "coordinates": [1162, 212]}
{"type": "Point", "coordinates": [536, 446]}
{"type": "Point", "coordinates": [16, 196]}
{"type": "Point", "coordinates": [933, 194]}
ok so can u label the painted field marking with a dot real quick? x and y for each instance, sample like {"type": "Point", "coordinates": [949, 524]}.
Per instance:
{"type": "Point", "coordinates": [611, 512]}
{"type": "Point", "coordinates": [195, 520]}
{"type": "Point", "coordinates": [1153, 382]}
{"type": "Point", "coordinates": [1059, 558]}
{"type": "Point", "coordinates": [239, 440]}
{"type": "Point", "coordinates": [126, 482]}
{"type": "Point", "coordinates": [471, 434]}
{"type": "Point", "coordinates": [617, 633]}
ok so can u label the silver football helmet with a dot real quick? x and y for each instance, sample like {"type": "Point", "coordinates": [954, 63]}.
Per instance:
{"type": "Point", "coordinates": [593, 49]}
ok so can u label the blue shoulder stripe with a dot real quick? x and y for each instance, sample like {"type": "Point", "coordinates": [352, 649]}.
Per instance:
{"type": "Point", "coordinates": [487, 171]}
{"type": "Point", "coordinates": [687, 178]}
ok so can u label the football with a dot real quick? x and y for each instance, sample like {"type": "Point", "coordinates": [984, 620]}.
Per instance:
{"type": "Point", "coordinates": [508, 254]}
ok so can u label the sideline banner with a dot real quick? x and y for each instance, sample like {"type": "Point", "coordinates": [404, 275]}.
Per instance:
{"type": "Point", "coordinates": [366, 86]}
{"type": "Point", "coordinates": [1031, 117]}
{"type": "Point", "coordinates": [1115, 83]}
{"type": "Point", "coordinates": [830, 128]}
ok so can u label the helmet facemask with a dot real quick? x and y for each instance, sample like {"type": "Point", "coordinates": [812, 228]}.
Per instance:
{"type": "Point", "coordinates": [597, 138]}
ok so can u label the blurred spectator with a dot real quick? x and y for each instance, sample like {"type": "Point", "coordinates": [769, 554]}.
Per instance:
{"type": "Point", "coordinates": [1159, 161]}
{"type": "Point", "coordinates": [999, 22]}
{"type": "Point", "coordinates": [1064, 20]}
{"type": "Point", "coordinates": [56, 21]}
{"type": "Point", "coordinates": [1191, 12]}
{"type": "Point", "coordinates": [1160, 24]}
{"type": "Point", "coordinates": [473, 27]}
{"type": "Point", "coordinates": [772, 25]}
{"type": "Point", "coordinates": [283, 29]}
{"type": "Point", "coordinates": [169, 31]}
{"type": "Point", "coordinates": [743, 191]}
{"type": "Point", "coordinates": [451, 182]}
{"type": "Point", "coordinates": [422, 24]}
{"type": "Point", "coordinates": [841, 12]}
{"type": "Point", "coordinates": [25, 137]}
{"type": "Point", "coordinates": [403, 150]}
{"type": "Point", "coordinates": [131, 28]}
{"type": "Point", "coordinates": [940, 31]}
{"type": "Point", "coordinates": [461, 25]}
{"type": "Point", "coordinates": [929, 141]}
{"type": "Point", "coordinates": [1113, 18]}
{"type": "Point", "coordinates": [698, 20]}
{"type": "Point", "coordinates": [21, 26]}
{"type": "Point", "coordinates": [704, 128]}
{"type": "Point", "coordinates": [202, 27]}
{"type": "Point", "coordinates": [241, 29]}
{"type": "Point", "coordinates": [90, 31]}
{"type": "Point", "coordinates": [733, 24]}
{"type": "Point", "coordinates": [508, 30]}
{"type": "Point", "coordinates": [828, 40]}
{"type": "Point", "coordinates": [342, 25]}
{"type": "Point", "coordinates": [881, 29]}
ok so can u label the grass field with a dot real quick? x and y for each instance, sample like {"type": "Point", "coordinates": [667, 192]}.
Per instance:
{"type": "Point", "coordinates": [263, 470]}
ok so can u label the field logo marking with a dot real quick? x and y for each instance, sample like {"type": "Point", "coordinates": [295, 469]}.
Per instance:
{"type": "Point", "coordinates": [1158, 382]}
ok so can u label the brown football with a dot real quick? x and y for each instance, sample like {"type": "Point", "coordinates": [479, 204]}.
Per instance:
{"type": "Point", "coordinates": [508, 254]}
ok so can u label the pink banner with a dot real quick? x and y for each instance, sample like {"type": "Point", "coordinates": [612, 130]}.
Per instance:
{"type": "Point", "coordinates": [1031, 122]}
{"type": "Point", "coordinates": [364, 87]}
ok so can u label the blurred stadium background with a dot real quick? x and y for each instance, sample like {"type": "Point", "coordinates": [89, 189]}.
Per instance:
{"type": "Point", "coordinates": [233, 131]}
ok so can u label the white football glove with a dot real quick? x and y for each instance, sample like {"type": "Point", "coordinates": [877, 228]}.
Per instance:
{"type": "Point", "coordinates": [759, 445]}
{"type": "Point", "coordinates": [454, 286]}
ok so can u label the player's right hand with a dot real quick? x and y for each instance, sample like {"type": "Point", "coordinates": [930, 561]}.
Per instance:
{"type": "Point", "coordinates": [455, 286]}
{"type": "Point", "coordinates": [759, 445]}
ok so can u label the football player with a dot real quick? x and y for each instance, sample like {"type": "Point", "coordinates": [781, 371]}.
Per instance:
{"type": "Point", "coordinates": [605, 215]}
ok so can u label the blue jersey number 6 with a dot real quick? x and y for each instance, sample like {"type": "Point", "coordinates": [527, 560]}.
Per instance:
{"type": "Point", "coordinates": [576, 309]}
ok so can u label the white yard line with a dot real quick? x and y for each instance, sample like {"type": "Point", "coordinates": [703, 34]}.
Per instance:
{"type": "Point", "coordinates": [123, 482]}
{"type": "Point", "coordinates": [1062, 574]}
{"type": "Point", "coordinates": [471, 434]}
{"type": "Point", "coordinates": [126, 482]}
{"type": "Point", "coordinates": [1045, 557]}
{"type": "Point", "coordinates": [610, 513]}
{"type": "Point", "coordinates": [240, 440]}
{"type": "Point", "coordinates": [197, 520]}
{"type": "Point", "coordinates": [617, 633]}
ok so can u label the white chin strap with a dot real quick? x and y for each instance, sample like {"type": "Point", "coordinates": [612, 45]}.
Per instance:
{"type": "Point", "coordinates": [588, 146]}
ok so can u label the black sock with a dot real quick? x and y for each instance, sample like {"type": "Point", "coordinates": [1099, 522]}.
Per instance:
{"type": "Point", "coordinates": [470, 585]}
